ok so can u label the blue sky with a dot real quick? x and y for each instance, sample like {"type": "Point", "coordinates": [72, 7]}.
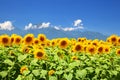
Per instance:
{"type": "Point", "coordinates": [96, 15]}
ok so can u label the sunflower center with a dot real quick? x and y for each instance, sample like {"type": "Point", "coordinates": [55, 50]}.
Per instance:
{"type": "Point", "coordinates": [79, 40]}
{"type": "Point", "coordinates": [53, 43]}
{"type": "Point", "coordinates": [100, 49]}
{"type": "Point", "coordinates": [12, 39]}
{"type": "Point", "coordinates": [5, 40]}
{"type": "Point", "coordinates": [95, 44]}
{"type": "Point", "coordinates": [106, 50]}
{"type": "Point", "coordinates": [91, 49]}
{"type": "Point", "coordinates": [26, 50]}
{"type": "Point", "coordinates": [78, 47]}
{"type": "Point", "coordinates": [28, 39]}
{"type": "Point", "coordinates": [17, 40]}
{"type": "Point", "coordinates": [119, 40]}
{"type": "Point", "coordinates": [63, 43]}
{"type": "Point", "coordinates": [42, 39]}
{"type": "Point", "coordinates": [36, 42]}
{"type": "Point", "coordinates": [118, 52]}
{"type": "Point", "coordinates": [114, 39]}
{"type": "Point", "coordinates": [39, 54]}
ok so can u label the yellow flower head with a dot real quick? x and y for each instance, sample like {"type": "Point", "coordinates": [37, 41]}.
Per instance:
{"type": "Point", "coordinates": [39, 54]}
{"type": "Point", "coordinates": [23, 68]}
{"type": "Point", "coordinates": [91, 49]}
{"type": "Point", "coordinates": [63, 43]}
{"type": "Point", "coordinates": [36, 41]}
{"type": "Point", "coordinates": [28, 39]}
{"type": "Point", "coordinates": [74, 58]}
{"type": "Point", "coordinates": [113, 39]}
{"type": "Point", "coordinates": [42, 38]}
{"type": "Point", "coordinates": [5, 40]}
{"type": "Point", "coordinates": [78, 47]}
{"type": "Point", "coordinates": [25, 49]}
{"type": "Point", "coordinates": [51, 72]}
{"type": "Point", "coordinates": [17, 40]}
{"type": "Point", "coordinates": [100, 49]}
{"type": "Point", "coordinates": [53, 42]}
{"type": "Point", "coordinates": [107, 49]}
{"type": "Point", "coordinates": [118, 52]}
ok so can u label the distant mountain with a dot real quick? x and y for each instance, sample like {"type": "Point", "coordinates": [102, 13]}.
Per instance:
{"type": "Point", "coordinates": [51, 33]}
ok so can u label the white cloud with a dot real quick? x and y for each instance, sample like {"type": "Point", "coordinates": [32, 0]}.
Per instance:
{"type": "Point", "coordinates": [68, 29]}
{"type": "Point", "coordinates": [57, 28]}
{"type": "Point", "coordinates": [77, 22]}
{"type": "Point", "coordinates": [45, 25]}
{"type": "Point", "coordinates": [31, 26]}
{"type": "Point", "coordinates": [7, 25]}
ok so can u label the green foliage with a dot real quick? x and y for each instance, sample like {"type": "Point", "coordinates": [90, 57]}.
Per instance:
{"type": "Point", "coordinates": [86, 67]}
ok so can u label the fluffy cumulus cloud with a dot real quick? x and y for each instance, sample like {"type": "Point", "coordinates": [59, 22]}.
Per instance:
{"type": "Point", "coordinates": [57, 28]}
{"type": "Point", "coordinates": [78, 23]}
{"type": "Point", "coordinates": [45, 25]}
{"type": "Point", "coordinates": [31, 26]}
{"type": "Point", "coordinates": [68, 29]}
{"type": "Point", "coordinates": [7, 25]}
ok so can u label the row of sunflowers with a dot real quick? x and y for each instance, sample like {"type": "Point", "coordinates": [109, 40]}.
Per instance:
{"type": "Point", "coordinates": [39, 58]}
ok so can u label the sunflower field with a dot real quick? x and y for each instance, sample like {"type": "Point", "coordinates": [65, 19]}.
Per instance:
{"type": "Point", "coordinates": [38, 58]}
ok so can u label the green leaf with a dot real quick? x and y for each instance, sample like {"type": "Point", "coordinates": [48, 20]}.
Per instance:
{"type": "Point", "coordinates": [3, 73]}
{"type": "Point", "coordinates": [90, 69]}
{"type": "Point", "coordinates": [69, 76]}
{"type": "Point", "coordinates": [81, 73]}
{"type": "Point", "coordinates": [19, 77]}
{"type": "Point", "coordinates": [34, 62]}
{"type": "Point", "coordinates": [114, 72]}
{"type": "Point", "coordinates": [22, 57]}
{"type": "Point", "coordinates": [59, 72]}
{"type": "Point", "coordinates": [52, 78]}
{"type": "Point", "coordinates": [29, 77]}
{"type": "Point", "coordinates": [74, 64]}
{"type": "Point", "coordinates": [9, 62]}
{"type": "Point", "coordinates": [43, 73]}
{"type": "Point", "coordinates": [105, 66]}
{"type": "Point", "coordinates": [36, 72]}
{"type": "Point", "coordinates": [26, 72]}
{"type": "Point", "coordinates": [97, 70]}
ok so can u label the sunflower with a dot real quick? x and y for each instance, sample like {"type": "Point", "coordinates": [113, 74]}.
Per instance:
{"type": "Point", "coordinates": [53, 42]}
{"type": "Point", "coordinates": [12, 38]}
{"type": "Point", "coordinates": [74, 58]}
{"type": "Point", "coordinates": [107, 49]}
{"type": "Point", "coordinates": [48, 43]}
{"type": "Point", "coordinates": [38, 47]}
{"type": "Point", "coordinates": [17, 40]}
{"type": "Point", "coordinates": [91, 49]}
{"type": "Point", "coordinates": [100, 49]}
{"type": "Point", "coordinates": [5, 40]}
{"type": "Point", "coordinates": [28, 39]}
{"type": "Point", "coordinates": [88, 42]}
{"type": "Point", "coordinates": [73, 41]}
{"type": "Point", "coordinates": [23, 68]}
{"type": "Point", "coordinates": [83, 39]}
{"type": "Point", "coordinates": [63, 43]}
{"type": "Point", "coordinates": [39, 54]}
{"type": "Point", "coordinates": [51, 72]}
{"type": "Point", "coordinates": [78, 47]}
{"type": "Point", "coordinates": [79, 39]}
{"type": "Point", "coordinates": [118, 41]}
{"type": "Point", "coordinates": [95, 42]}
{"type": "Point", "coordinates": [118, 51]}
{"type": "Point", "coordinates": [25, 49]}
{"type": "Point", "coordinates": [113, 39]}
{"type": "Point", "coordinates": [42, 38]}
{"type": "Point", "coordinates": [36, 41]}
